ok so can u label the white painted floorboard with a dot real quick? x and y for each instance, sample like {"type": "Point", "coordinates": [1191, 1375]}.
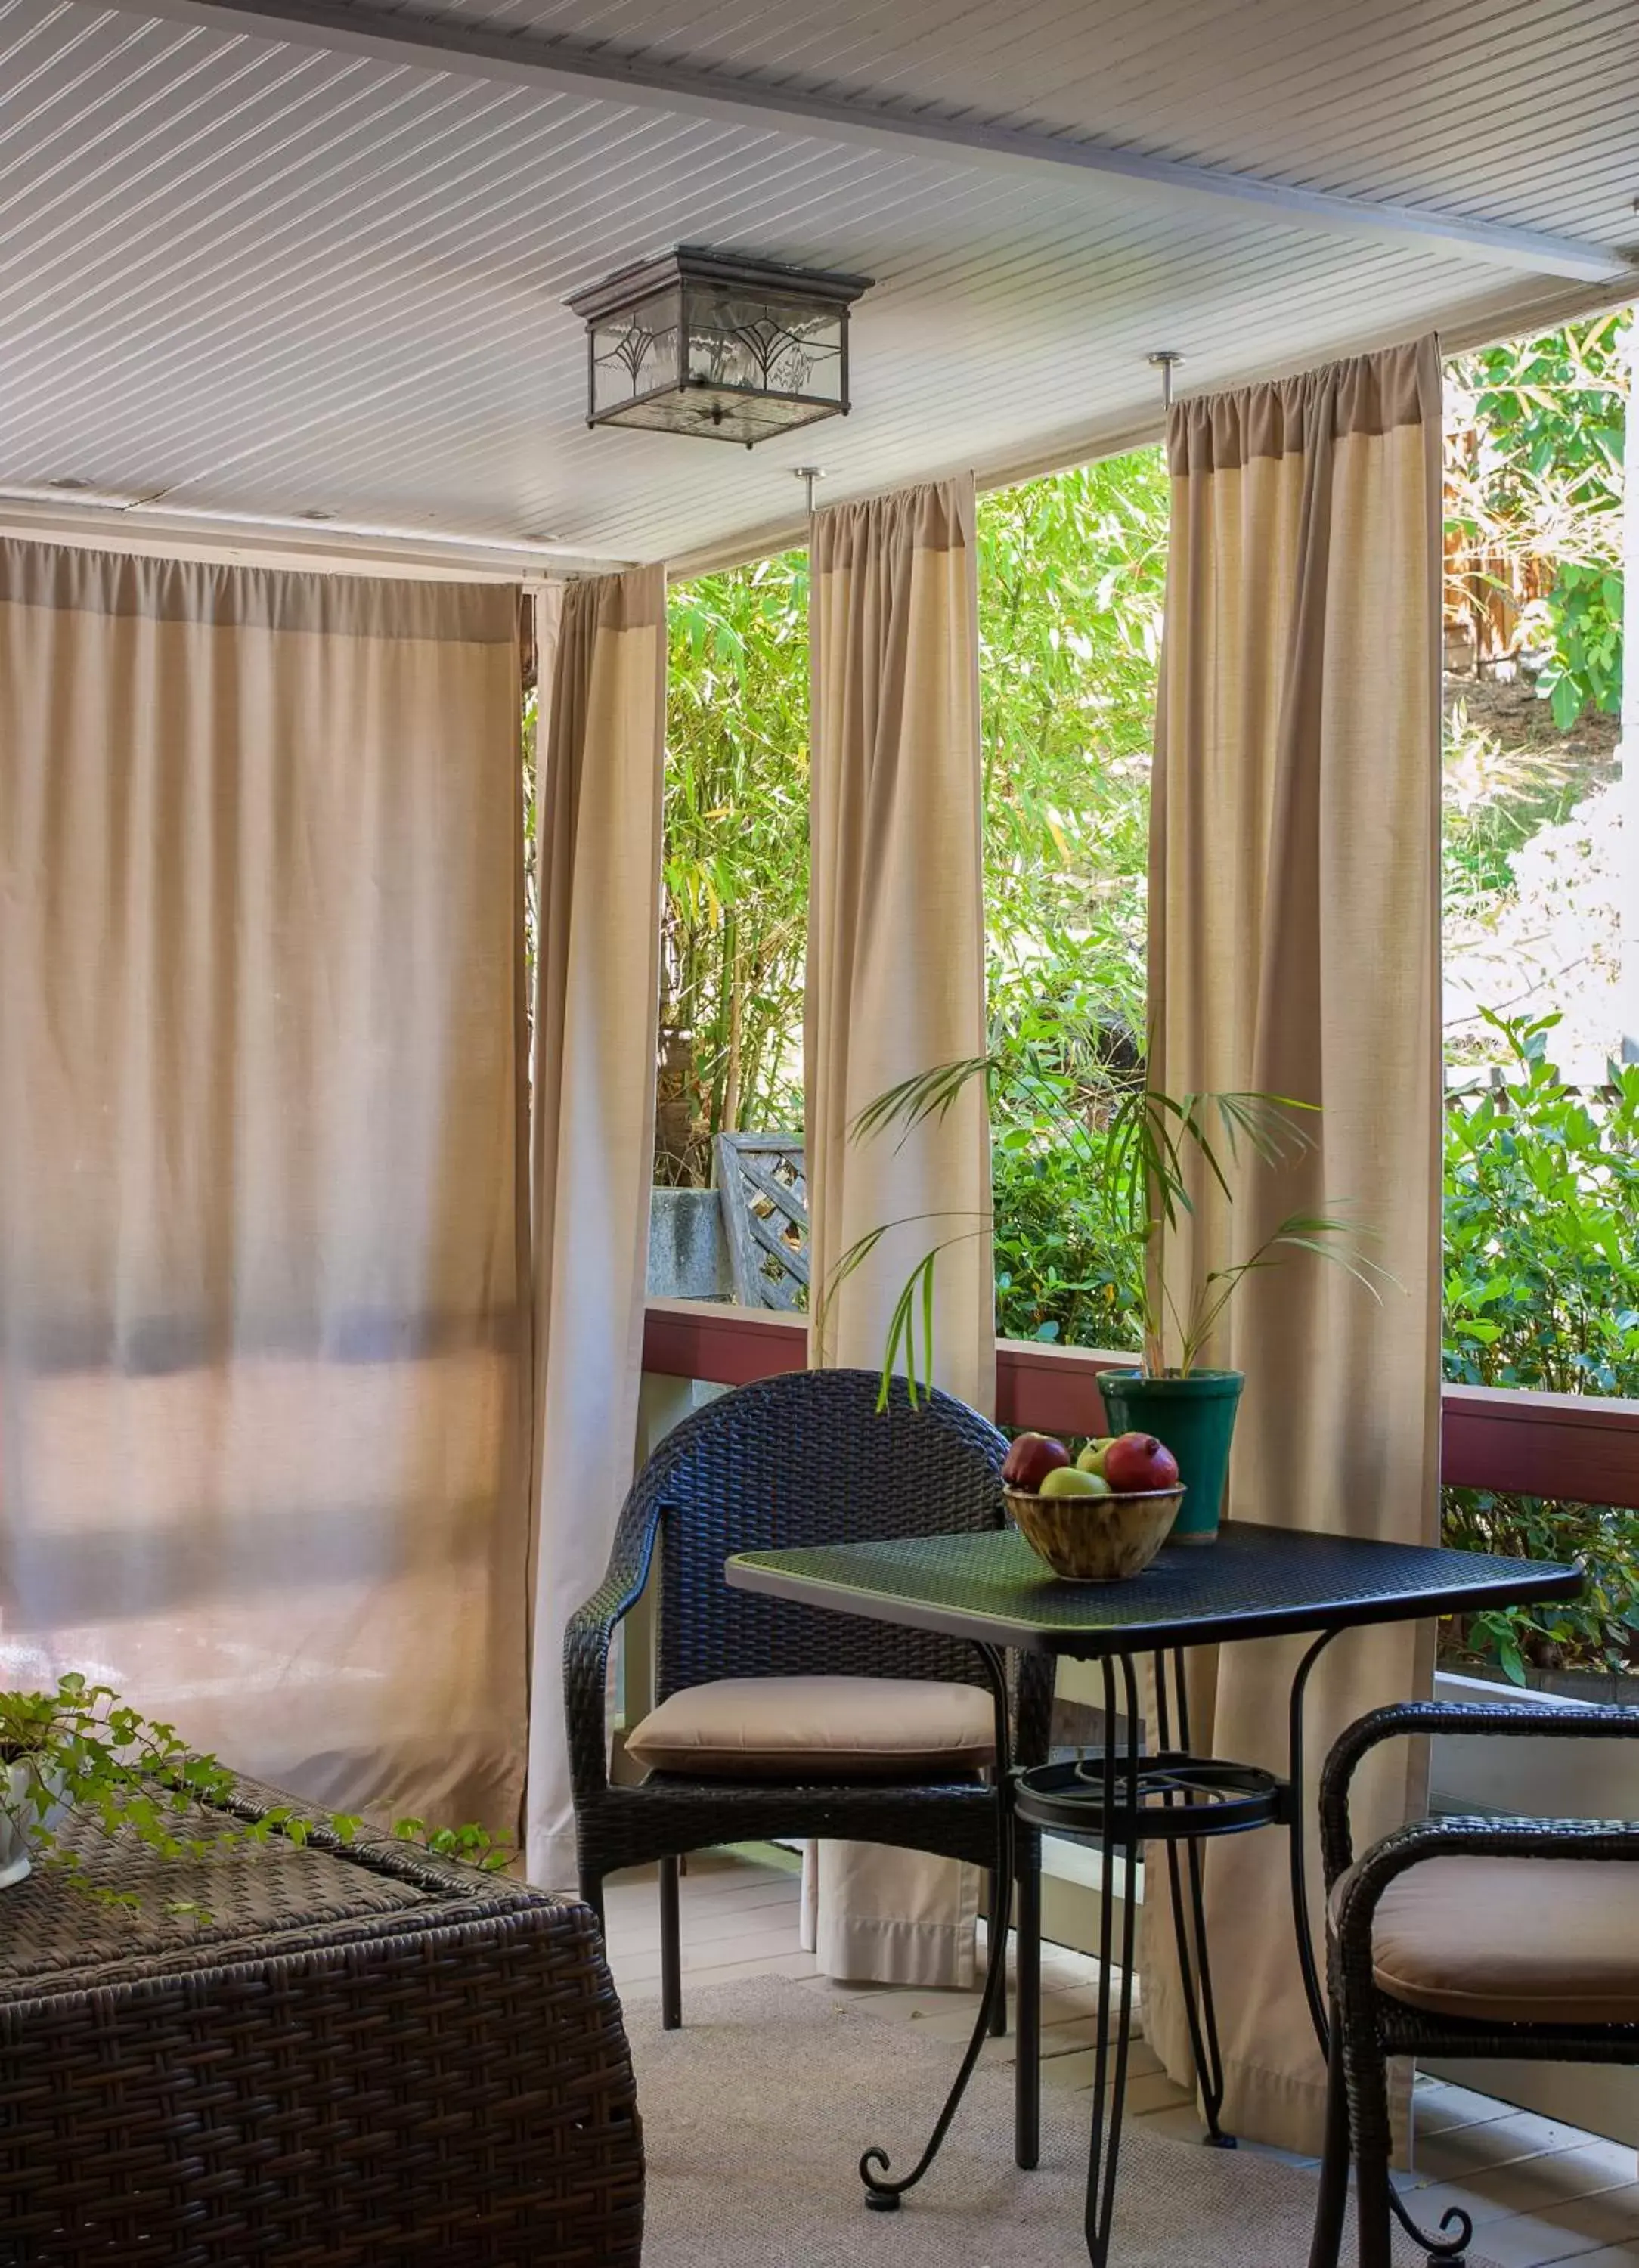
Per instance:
{"type": "Point", "coordinates": [1539, 2192]}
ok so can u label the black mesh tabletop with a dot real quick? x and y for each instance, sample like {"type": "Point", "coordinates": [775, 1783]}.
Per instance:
{"type": "Point", "coordinates": [1255, 1582]}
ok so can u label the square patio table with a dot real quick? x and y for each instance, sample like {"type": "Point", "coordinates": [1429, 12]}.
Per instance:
{"type": "Point", "coordinates": [1256, 1581]}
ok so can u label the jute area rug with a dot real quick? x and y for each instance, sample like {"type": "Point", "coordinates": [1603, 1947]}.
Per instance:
{"type": "Point", "coordinates": [755, 2113]}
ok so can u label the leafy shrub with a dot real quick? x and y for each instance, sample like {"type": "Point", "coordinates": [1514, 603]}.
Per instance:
{"type": "Point", "coordinates": [1061, 1273]}
{"type": "Point", "coordinates": [734, 904]}
{"type": "Point", "coordinates": [1542, 1291]}
{"type": "Point", "coordinates": [1533, 506]}
{"type": "Point", "coordinates": [1542, 1226]}
{"type": "Point", "coordinates": [1597, 1630]}
{"type": "Point", "coordinates": [1072, 573]}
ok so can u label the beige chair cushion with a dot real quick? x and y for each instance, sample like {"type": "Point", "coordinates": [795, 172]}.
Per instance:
{"type": "Point", "coordinates": [1512, 1940]}
{"type": "Point", "coordinates": [817, 1728]}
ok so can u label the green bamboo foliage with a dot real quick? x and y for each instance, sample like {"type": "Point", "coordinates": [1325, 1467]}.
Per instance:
{"type": "Point", "coordinates": [734, 908]}
{"type": "Point", "coordinates": [1071, 578]}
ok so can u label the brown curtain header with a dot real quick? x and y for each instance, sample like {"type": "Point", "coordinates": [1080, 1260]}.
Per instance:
{"type": "Point", "coordinates": [635, 600]}
{"type": "Point", "coordinates": [594, 608]}
{"type": "Point", "coordinates": [69, 580]}
{"type": "Point", "coordinates": [934, 515]}
{"type": "Point", "coordinates": [1367, 393]}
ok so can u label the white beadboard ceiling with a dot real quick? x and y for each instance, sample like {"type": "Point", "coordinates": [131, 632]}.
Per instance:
{"type": "Point", "coordinates": [311, 260]}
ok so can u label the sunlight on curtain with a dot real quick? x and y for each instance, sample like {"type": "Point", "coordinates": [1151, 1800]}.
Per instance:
{"type": "Point", "coordinates": [263, 1393]}
{"type": "Point", "coordinates": [597, 1000]}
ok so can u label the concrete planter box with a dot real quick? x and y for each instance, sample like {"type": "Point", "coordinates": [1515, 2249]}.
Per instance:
{"type": "Point", "coordinates": [1532, 1780]}
{"type": "Point", "coordinates": [1542, 1779]}
{"type": "Point", "coordinates": [689, 1253]}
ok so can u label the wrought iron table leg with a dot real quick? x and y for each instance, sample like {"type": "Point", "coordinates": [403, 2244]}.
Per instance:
{"type": "Point", "coordinates": [1027, 2003]}
{"type": "Point", "coordinates": [883, 2193]}
{"type": "Point", "coordinates": [1118, 1798]}
{"type": "Point", "coordinates": [998, 2006]}
{"type": "Point", "coordinates": [1189, 1928]}
{"type": "Point", "coordinates": [1109, 2086]}
{"type": "Point", "coordinates": [671, 1948]}
{"type": "Point", "coordinates": [1297, 1823]}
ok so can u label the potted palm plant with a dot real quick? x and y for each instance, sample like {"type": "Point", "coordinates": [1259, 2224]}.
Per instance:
{"type": "Point", "coordinates": [1144, 1151]}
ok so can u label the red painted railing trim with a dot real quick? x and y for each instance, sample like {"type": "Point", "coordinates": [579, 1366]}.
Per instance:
{"type": "Point", "coordinates": [728, 1346]}
{"type": "Point", "coordinates": [1585, 1448]}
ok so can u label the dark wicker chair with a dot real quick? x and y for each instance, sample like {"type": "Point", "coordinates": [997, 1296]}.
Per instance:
{"type": "Point", "coordinates": [1420, 1969]}
{"type": "Point", "coordinates": [803, 1459]}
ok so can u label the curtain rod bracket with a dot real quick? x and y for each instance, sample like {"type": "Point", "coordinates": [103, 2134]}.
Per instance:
{"type": "Point", "coordinates": [1166, 360]}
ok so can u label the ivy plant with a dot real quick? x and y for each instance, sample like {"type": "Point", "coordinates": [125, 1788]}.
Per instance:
{"type": "Point", "coordinates": [80, 1754]}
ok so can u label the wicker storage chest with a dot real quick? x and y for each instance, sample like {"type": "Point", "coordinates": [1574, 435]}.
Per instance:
{"type": "Point", "coordinates": [361, 2056]}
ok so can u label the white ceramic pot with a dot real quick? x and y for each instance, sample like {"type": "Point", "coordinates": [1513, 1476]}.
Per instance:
{"type": "Point", "coordinates": [17, 1819]}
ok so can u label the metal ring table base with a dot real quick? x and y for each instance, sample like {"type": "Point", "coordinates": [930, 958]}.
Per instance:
{"type": "Point", "coordinates": [1177, 1798]}
{"type": "Point", "coordinates": [1182, 1801]}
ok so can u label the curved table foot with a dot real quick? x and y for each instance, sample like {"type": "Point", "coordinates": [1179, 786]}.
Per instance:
{"type": "Point", "coordinates": [883, 2190]}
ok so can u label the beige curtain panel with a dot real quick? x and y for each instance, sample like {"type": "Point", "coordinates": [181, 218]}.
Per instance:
{"type": "Point", "coordinates": [1294, 943]}
{"type": "Point", "coordinates": [600, 748]}
{"type": "Point", "coordinates": [896, 985]}
{"type": "Point", "coordinates": [263, 1449]}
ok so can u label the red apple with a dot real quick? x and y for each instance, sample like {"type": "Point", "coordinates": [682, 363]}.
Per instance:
{"type": "Point", "coordinates": [1137, 1461]}
{"type": "Point", "coordinates": [1031, 1459]}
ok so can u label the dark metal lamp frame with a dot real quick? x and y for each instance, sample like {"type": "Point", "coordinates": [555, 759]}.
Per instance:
{"type": "Point", "coordinates": [686, 269]}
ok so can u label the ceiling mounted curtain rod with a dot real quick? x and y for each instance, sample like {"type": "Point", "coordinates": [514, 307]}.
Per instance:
{"type": "Point", "coordinates": [119, 522]}
{"type": "Point", "coordinates": [1166, 360]}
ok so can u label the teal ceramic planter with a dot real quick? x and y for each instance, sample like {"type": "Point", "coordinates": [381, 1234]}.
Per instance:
{"type": "Point", "coordinates": [1196, 1417]}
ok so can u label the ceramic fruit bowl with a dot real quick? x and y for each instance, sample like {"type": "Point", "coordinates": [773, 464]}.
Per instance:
{"type": "Point", "coordinates": [1095, 1539]}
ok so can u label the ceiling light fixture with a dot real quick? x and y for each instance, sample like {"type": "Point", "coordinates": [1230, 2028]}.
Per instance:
{"type": "Point", "coordinates": [713, 344]}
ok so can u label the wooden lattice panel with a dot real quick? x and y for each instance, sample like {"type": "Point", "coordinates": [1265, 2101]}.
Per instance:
{"type": "Point", "coordinates": [763, 1186]}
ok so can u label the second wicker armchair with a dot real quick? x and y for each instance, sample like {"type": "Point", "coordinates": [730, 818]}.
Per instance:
{"type": "Point", "coordinates": [758, 1726]}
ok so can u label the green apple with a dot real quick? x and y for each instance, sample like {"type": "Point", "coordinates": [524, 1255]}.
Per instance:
{"type": "Point", "coordinates": [1070, 1480]}
{"type": "Point", "coordinates": [1092, 1458]}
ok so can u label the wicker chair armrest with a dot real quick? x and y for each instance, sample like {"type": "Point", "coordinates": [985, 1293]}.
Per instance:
{"type": "Point", "coordinates": [1400, 1719]}
{"type": "Point", "coordinates": [587, 1639]}
{"type": "Point", "coordinates": [1396, 1854]}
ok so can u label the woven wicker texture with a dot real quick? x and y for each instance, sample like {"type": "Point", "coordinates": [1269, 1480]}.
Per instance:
{"type": "Point", "coordinates": [364, 2055]}
{"type": "Point", "coordinates": [798, 1460]}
